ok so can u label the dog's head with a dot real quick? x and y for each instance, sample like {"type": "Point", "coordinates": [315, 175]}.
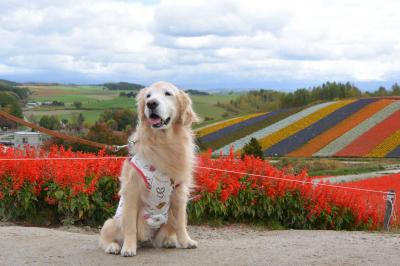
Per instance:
{"type": "Point", "coordinates": [162, 105]}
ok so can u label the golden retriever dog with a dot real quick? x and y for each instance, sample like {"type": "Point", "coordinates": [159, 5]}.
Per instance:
{"type": "Point", "coordinates": [155, 183]}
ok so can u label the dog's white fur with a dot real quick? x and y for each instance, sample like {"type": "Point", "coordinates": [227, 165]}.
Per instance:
{"type": "Point", "coordinates": [171, 149]}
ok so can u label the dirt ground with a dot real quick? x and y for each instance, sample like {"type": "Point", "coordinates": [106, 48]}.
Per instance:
{"type": "Point", "coordinates": [232, 245]}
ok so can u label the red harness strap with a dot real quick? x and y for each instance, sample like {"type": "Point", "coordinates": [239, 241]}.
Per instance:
{"type": "Point", "coordinates": [141, 173]}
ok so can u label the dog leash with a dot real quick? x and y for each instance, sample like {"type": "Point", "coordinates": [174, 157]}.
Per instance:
{"type": "Point", "coordinates": [113, 148]}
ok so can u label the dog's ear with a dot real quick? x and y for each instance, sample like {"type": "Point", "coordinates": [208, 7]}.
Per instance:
{"type": "Point", "coordinates": [187, 114]}
{"type": "Point", "coordinates": [140, 105]}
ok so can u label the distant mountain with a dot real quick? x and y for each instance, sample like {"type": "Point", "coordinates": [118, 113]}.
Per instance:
{"type": "Point", "coordinates": [123, 86]}
{"type": "Point", "coordinates": [197, 92]}
{"type": "Point", "coordinates": [8, 82]}
{"type": "Point", "coordinates": [41, 84]}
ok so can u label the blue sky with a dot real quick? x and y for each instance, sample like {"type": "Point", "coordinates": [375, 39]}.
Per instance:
{"type": "Point", "coordinates": [202, 44]}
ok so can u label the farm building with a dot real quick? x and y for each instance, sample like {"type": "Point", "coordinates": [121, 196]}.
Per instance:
{"type": "Point", "coordinates": [27, 138]}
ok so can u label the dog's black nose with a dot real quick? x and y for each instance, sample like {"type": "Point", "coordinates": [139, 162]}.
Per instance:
{"type": "Point", "coordinates": [152, 105]}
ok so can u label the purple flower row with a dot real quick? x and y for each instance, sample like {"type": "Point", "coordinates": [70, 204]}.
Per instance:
{"type": "Point", "coordinates": [303, 136]}
{"type": "Point", "coordinates": [394, 153]}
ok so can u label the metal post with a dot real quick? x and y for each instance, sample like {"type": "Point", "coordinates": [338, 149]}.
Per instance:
{"type": "Point", "coordinates": [391, 195]}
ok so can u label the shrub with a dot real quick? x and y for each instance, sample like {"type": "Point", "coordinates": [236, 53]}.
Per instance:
{"type": "Point", "coordinates": [253, 148]}
{"type": "Point", "coordinates": [77, 104]}
{"type": "Point", "coordinates": [50, 121]}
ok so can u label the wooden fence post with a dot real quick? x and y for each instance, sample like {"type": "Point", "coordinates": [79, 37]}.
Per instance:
{"type": "Point", "coordinates": [390, 198]}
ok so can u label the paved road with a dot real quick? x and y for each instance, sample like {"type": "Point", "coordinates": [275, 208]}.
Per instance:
{"type": "Point", "coordinates": [223, 246]}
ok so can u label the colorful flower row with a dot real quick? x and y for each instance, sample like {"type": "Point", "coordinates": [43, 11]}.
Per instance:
{"type": "Point", "coordinates": [239, 143]}
{"type": "Point", "coordinates": [372, 138]}
{"type": "Point", "coordinates": [347, 138]}
{"type": "Point", "coordinates": [320, 141]}
{"type": "Point", "coordinates": [385, 147]}
{"type": "Point", "coordinates": [227, 135]}
{"type": "Point", "coordinates": [267, 141]}
{"type": "Point", "coordinates": [236, 127]}
{"type": "Point", "coordinates": [207, 130]}
{"type": "Point", "coordinates": [298, 139]}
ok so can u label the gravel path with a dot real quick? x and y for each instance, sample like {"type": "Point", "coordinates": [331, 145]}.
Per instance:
{"type": "Point", "coordinates": [233, 245]}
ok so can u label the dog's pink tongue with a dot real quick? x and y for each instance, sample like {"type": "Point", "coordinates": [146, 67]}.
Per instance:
{"type": "Point", "coordinates": [155, 121]}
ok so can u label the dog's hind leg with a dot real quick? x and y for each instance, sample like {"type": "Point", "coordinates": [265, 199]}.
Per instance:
{"type": "Point", "coordinates": [178, 205]}
{"type": "Point", "coordinates": [110, 236]}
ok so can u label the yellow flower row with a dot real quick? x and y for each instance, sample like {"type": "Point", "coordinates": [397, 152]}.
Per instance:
{"type": "Point", "coordinates": [220, 125]}
{"type": "Point", "coordinates": [301, 124]}
{"type": "Point", "coordinates": [386, 146]}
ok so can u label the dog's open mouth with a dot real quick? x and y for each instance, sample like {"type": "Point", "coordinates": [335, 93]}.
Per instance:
{"type": "Point", "coordinates": [156, 121]}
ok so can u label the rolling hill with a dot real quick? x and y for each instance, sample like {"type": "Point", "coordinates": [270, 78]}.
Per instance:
{"type": "Point", "coordinates": [366, 127]}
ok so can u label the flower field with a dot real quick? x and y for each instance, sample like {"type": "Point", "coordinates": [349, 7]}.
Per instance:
{"type": "Point", "coordinates": [340, 143]}
{"type": "Point", "coordinates": [315, 144]}
{"type": "Point", "coordinates": [225, 135]}
{"type": "Point", "coordinates": [298, 139]}
{"type": "Point", "coordinates": [288, 131]}
{"type": "Point", "coordinates": [207, 130]}
{"type": "Point", "coordinates": [59, 186]}
{"type": "Point", "coordinates": [373, 137]}
{"type": "Point", "coordinates": [270, 129]}
{"type": "Point", "coordinates": [347, 128]}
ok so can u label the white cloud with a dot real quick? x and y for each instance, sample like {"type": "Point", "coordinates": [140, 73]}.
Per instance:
{"type": "Point", "coordinates": [201, 43]}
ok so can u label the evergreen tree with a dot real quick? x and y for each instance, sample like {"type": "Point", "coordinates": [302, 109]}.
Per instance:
{"type": "Point", "coordinates": [253, 148]}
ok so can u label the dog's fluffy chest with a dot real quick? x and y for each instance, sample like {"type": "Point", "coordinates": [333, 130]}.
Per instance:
{"type": "Point", "coordinates": [159, 186]}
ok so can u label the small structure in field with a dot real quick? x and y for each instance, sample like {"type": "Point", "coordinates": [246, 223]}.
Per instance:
{"type": "Point", "coordinates": [24, 138]}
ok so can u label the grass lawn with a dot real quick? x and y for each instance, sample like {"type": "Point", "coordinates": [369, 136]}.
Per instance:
{"type": "Point", "coordinates": [205, 107]}
{"type": "Point", "coordinates": [91, 116]}
{"type": "Point", "coordinates": [347, 171]}
{"type": "Point", "coordinates": [118, 102]}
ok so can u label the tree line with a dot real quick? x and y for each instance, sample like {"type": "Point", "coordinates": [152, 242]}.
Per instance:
{"type": "Point", "coordinates": [123, 86]}
{"type": "Point", "coordinates": [268, 100]}
{"type": "Point", "coordinates": [11, 100]}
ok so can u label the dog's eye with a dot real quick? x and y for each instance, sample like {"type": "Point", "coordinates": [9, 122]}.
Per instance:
{"type": "Point", "coordinates": [167, 93]}
{"type": "Point", "coordinates": [148, 95]}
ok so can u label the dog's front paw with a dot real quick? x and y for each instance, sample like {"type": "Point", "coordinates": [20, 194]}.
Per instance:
{"type": "Point", "coordinates": [128, 251]}
{"type": "Point", "coordinates": [113, 248]}
{"type": "Point", "coordinates": [188, 243]}
{"type": "Point", "coordinates": [163, 241]}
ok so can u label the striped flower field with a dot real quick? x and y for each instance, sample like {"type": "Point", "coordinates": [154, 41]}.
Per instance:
{"type": "Point", "coordinates": [368, 127]}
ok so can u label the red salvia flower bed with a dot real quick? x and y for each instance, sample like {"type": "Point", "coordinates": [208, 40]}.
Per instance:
{"type": "Point", "coordinates": [85, 191]}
